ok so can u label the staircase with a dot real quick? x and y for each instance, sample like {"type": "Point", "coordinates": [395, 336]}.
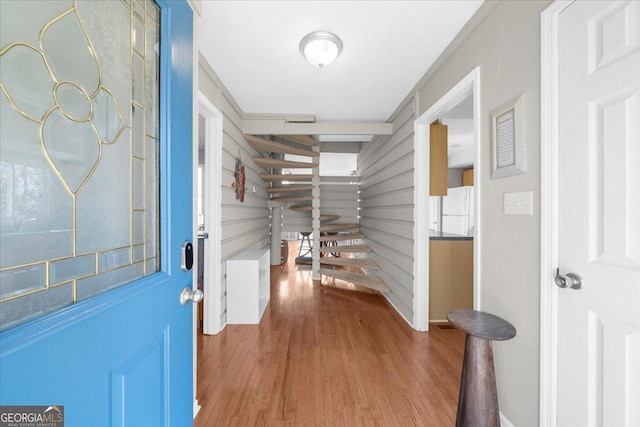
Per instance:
{"type": "Point", "coordinates": [297, 196]}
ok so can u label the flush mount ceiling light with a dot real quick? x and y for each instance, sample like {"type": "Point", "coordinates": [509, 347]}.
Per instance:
{"type": "Point", "coordinates": [320, 48]}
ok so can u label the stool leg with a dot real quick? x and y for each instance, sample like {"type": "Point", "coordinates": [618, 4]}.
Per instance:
{"type": "Point", "coordinates": [335, 244]}
{"type": "Point", "coordinates": [478, 401]}
{"type": "Point", "coordinates": [302, 240]}
{"type": "Point", "coordinates": [310, 246]}
{"type": "Point", "coordinates": [301, 245]}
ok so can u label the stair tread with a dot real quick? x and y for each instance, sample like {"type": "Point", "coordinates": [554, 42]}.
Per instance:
{"type": "Point", "coordinates": [350, 262]}
{"type": "Point", "coordinates": [342, 236]}
{"type": "Point", "coordinates": [266, 162]}
{"type": "Point", "coordinates": [292, 199]}
{"type": "Point", "coordinates": [261, 144]}
{"type": "Point", "coordinates": [301, 139]}
{"type": "Point", "coordinates": [337, 227]}
{"type": "Point", "coordinates": [290, 189]}
{"type": "Point", "coordinates": [301, 208]}
{"type": "Point", "coordinates": [268, 177]}
{"type": "Point", "coordinates": [346, 248]}
{"type": "Point", "coordinates": [366, 280]}
{"type": "Point", "coordinates": [329, 217]}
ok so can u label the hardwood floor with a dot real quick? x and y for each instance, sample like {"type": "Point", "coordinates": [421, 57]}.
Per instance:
{"type": "Point", "coordinates": [326, 356]}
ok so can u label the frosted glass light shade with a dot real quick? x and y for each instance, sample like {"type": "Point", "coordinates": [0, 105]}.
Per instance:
{"type": "Point", "coordinates": [320, 48]}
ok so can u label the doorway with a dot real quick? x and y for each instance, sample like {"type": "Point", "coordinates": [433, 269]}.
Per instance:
{"type": "Point", "coordinates": [207, 181]}
{"type": "Point", "coordinates": [208, 177]}
{"type": "Point", "coordinates": [467, 90]}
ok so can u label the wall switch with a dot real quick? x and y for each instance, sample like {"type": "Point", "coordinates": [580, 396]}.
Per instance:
{"type": "Point", "coordinates": [518, 203]}
{"type": "Point", "coordinates": [254, 189]}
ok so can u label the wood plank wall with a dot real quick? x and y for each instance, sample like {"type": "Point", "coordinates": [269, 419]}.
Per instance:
{"type": "Point", "coordinates": [338, 196]}
{"type": "Point", "coordinates": [385, 167]}
{"type": "Point", "coordinates": [244, 225]}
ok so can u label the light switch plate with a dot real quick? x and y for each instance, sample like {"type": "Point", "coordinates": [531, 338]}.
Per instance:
{"type": "Point", "coordinates": [518, 203]}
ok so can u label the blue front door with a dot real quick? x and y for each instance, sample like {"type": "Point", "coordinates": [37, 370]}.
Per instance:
{"type": "Point", "coordinates": [124, 357]}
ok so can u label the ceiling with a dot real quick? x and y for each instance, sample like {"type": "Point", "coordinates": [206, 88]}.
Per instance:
{"type": "Point", "coordinates": [388, 46]}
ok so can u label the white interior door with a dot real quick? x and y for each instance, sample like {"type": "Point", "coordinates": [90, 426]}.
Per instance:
{"type": "Point", "coordinates": [598, 371]}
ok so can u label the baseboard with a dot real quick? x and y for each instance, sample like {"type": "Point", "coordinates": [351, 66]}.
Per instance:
{"type": "Point", "coordinates": [196, 408]}
{"type": "Point", "coordinates": [395, 308]}
{"type": "Point", "coordinates": [504, 421]}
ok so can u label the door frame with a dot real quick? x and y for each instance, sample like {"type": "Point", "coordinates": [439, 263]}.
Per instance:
{"type": "Point", "coordinates": [548, 210]}
{"type": "Point", "coordinates": [470, 84]}
{"type": "Point", "coordinates": [212, 285]}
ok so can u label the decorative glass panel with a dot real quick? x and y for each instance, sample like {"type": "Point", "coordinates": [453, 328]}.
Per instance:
{"type": "Point", "coordinates": [138, 36]}
{"type": "Point", "coordinates": [138, 253]}
{"type": "Point", "coordinates": [138, 227]}
{"type": "Point", "coordinates": [27, 81]}
{"type": "Point", "coordinates": [137, 183]}
{"type": "Point", "coordinates": [151, 201]}
{"type": "Point", "coordinates": [78, 151]}
{"type": "Point", "coordinates": [106, 117]}
{"type": "Point", "coordinates": [72, 268]}
{"type": "Point", "coordinates": [23, 20]}
{"type": "Point", "coordinates": [138, 131]}
{"type": "Point", "coordinates": [152, 79]}
{"type": "Point", "coordinates": [33, 305]}
{"type": "Point", "coordinates": [22, 280]}
{"type": "Point", "coordinates": [94, 285]}
{"type": "Point", "coordinates": [138, 79]}
{"type": "Point", "coordinates": [114, 259]}
{"type": "Point", "coordinates": [138, 9]}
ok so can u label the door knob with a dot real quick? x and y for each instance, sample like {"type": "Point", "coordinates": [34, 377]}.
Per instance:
{"type": "Point", "coordinates": [188, 294]}
{"type": "Point", "coordinates": [572, 280]}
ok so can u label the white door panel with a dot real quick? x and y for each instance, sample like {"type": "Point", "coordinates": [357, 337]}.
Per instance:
{"type": "Point", "coordinates": [599, 213]}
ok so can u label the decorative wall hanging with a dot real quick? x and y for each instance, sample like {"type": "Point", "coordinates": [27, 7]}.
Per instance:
{"type": "Point", "coordinates": [238, 185]}
{"type": "Point", "coordinates": [508, 155]}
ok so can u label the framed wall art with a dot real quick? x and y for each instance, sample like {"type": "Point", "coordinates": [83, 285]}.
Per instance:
{"type": "Point", "coordinates": [508, 145]}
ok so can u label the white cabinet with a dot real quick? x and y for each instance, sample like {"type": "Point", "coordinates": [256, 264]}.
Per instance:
{"type": "Point", "coordinates": [248, 282]}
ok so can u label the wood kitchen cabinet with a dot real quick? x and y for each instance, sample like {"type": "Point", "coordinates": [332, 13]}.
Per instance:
{"type": "Point", "coordinates": [450, 277]}
{"type": "Point", "coordinates": [438, 159]}
{"type": "Point", "coordinates": [467, 177]}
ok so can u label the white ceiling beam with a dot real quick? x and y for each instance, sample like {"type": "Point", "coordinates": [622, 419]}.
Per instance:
{"type": "Point", "coordinates": [282, 127]}
{"type": "Point", "coordinates": [343, 138]}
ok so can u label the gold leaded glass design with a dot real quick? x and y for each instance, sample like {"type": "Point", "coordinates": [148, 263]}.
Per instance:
{"type": "Point", "coordinates": [78, 151]}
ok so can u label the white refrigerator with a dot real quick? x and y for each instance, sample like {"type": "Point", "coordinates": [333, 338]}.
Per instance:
{"type": "Point", "coordinates": [457, 211]}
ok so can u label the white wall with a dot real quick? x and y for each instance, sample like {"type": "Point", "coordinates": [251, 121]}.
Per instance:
{"type": "Point", "coordinates": [385, 166]}
{"type": "Point", "coordinates": [504, 40]}
{"type": "Point", "coordinates": [244, 225]}
{"type": "Point", "coordinates": [454, 177]}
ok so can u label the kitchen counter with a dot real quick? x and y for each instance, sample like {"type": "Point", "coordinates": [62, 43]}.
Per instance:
{"type": "Point", "coordinates": [450, 276]}
{"type": "Point", "coordinates": [439, 235]}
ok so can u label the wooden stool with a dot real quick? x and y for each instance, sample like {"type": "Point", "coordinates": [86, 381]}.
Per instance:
{"type": "Point", "coordinates": [478, 401]}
